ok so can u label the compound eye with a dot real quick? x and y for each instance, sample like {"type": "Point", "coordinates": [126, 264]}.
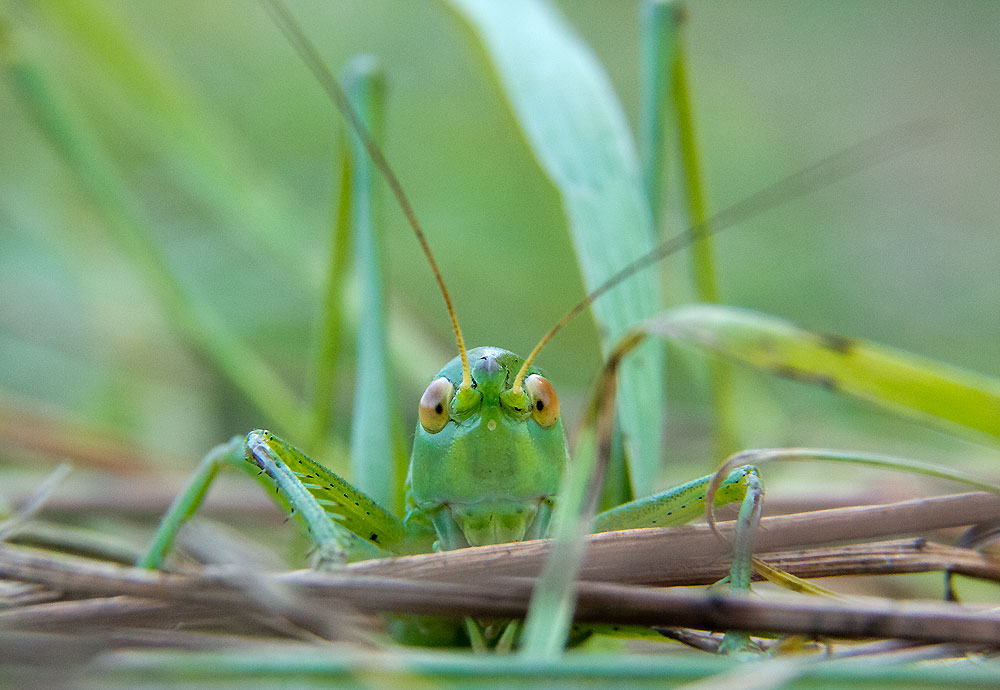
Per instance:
{"type": "Point", "coordinates": [544, 401]}
{"type": "Point", "coordinates": [434, 405]}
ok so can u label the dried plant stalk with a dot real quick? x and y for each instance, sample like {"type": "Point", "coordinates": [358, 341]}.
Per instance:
{"type": "Point", "coordinates": [488, 582]}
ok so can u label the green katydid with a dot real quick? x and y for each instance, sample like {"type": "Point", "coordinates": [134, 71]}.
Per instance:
{"type": "Point", "coordinates": [487, 460]}
{"type": "Point", "coordinates": [486, 404]}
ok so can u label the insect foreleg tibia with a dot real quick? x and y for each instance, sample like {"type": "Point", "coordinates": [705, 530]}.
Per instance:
{"type": "Point", "coordinates": [332, 509]}
{"type": "Point", "coordinates": [338, 518]}
{"type": "Point", "coordinates": [741, 569]}
{"type": "Point", "coordinates": [676, 506]}
{"type": "Point", "coordinates": [681, 504]}
{"type": "Point", "coordinates": [332, 542]}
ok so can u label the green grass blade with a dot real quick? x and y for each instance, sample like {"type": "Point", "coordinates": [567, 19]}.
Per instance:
{"type": "Point", "coordinates": [665, 107]}
{"type": "Point", "coordinates": [553, 600]}
{"type": "Point", "coordinates": [73, 139]}
{"type": "Point", "coordinates": [565, 105]}
{"type": "Point", "coordinates": [919, 386]}
{"type": "Point", "coordinates": [331, 321]}
{"type": "Point", "coordinates": [759, 456]}
{"type": "Point", "coordinates": [705, 282]}
{"type": "Point", "coordinates": [348, 668]}
{"type": "Point", "coordinates": [372, 457]}
{"type": "Point", "coordinates": [703, 271]}
{"type": "Point", "coordinates": [657, 49]}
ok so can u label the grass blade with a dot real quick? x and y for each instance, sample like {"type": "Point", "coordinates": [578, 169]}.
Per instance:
{"type": "Point", "coordinates": [373, 465]}
{"type": "Point", "coordinates": [331, 321]}
{"type": "Point", "coordinates": [665, 92]}
{"type": "Point", "coordinates": [553, 600]}
{"type": "Point", "coordinates": [657, 48]}
{"type": "Point", "coordinates": [886, 462]}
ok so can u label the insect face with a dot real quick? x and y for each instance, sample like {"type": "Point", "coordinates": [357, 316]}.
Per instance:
{"type": "Point", "coordinates": [484, 469]}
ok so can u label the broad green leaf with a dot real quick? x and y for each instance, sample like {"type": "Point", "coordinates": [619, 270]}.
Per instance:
{"type": "Point", "coordinates": [564, 103]}
{"type": "Point", "coordinates": [893, 378]}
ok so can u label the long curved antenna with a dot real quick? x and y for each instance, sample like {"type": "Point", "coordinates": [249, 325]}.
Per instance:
{"type": "Point", "coordinates": [296, 36]}
{"type": "Point", "coordinates": [847, 162]}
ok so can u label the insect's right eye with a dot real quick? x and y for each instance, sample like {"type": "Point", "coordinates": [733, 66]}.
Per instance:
{"type": "Point", "coordinates": [434, 405]}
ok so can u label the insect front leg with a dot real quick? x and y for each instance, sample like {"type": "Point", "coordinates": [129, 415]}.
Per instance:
{"type": "Point", "coordinates": [680, 504]}
{"type": "Point", "coordinates": [683, 503]}
{"type": "Point", "coordinates": [331, 541]}
{"type": "Point", "coordinates": [338, 518]}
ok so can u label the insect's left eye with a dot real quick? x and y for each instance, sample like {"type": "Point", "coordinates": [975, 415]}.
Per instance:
{"type": "Point", "coordinates": [434, 403]}
{"type": "Point", "coordinates": [544, 401]}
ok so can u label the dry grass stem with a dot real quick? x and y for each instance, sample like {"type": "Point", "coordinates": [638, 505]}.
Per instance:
{"type": "Point", "coordinates": [489, 582]}
{"type": "Point", "coordinates": [643, 556]}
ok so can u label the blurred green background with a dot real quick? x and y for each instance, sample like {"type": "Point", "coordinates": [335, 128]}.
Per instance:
{"type": "Point", "coordinates": [241, 146]}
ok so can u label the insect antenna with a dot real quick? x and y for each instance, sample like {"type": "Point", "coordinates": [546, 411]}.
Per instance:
{"type": "Point", "coordinates": [843, 164]}
{"type": "Point", "coordinates": [304, 47]}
